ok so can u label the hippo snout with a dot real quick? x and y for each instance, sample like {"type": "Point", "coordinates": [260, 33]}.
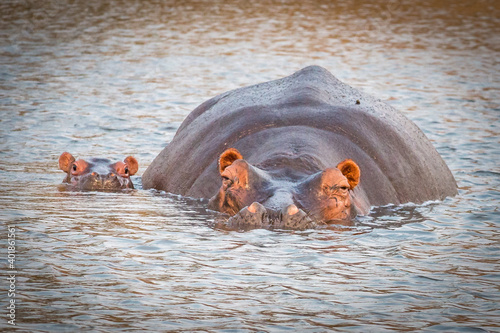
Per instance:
{"type": "Point", "coordinates": [110, 181]}
{"type": "Point", "coordinates": [99, 178]}
{"type": "Point", "coordinates": [258, 216]}
{"type": "Point", "coordinates": [97, 181]}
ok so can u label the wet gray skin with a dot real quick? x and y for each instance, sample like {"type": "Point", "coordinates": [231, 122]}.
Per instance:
{"type": "Point", "coordinates": [97, 174]}
{"type": "Point", "coordinates": [290, 137]}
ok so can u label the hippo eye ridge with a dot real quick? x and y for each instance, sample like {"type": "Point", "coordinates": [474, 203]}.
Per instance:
{"type": "Point", "coordinates": [335, 190]}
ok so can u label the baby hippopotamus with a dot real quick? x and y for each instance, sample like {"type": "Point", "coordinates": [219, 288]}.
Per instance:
{"type": "Point", "coordinates": [97, 174]}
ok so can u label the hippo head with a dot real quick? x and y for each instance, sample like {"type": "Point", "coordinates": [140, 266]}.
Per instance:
{"type": "Point", "coordinates": [263, 198]}
{"type": "Point", "coordinates": [98, 174]}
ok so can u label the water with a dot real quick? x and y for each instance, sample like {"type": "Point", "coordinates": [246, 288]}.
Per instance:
{"type": "Point", "coordinates": [117, 79]}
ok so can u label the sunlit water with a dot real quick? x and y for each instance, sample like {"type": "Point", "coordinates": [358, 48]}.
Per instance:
{"type": "Point", "coordinates": [117, 79]}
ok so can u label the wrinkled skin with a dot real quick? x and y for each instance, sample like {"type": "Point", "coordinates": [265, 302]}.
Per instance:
{"type": "Point", "coordinates": [97, 174]}
{"type": "Point", "coordinates": [299, 152]}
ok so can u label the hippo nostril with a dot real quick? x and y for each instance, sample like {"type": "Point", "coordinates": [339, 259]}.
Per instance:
{"type": "Point", "coordinates": [254, 215]}
{"type": "Point", "coordinates": [252, 208]}
{"type": "Point", "coordinates": [291, 210]}
{"type": "Point", "coordinates": [256, 207]}
{"type": "Point", "coordinates": [111, 175]}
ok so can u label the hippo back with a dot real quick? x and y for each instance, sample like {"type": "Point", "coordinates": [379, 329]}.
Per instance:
{"type": "Point", "coordinates": [312, 121]}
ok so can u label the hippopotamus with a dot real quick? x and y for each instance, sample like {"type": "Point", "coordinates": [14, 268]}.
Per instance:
{"type": "Point", "coordinates": [303, 151]}
{"type": "Point", "coordinates": [97, 174]}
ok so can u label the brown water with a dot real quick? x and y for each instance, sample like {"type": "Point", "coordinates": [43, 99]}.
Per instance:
{"type": "Point", "coordinates": [117, 79]}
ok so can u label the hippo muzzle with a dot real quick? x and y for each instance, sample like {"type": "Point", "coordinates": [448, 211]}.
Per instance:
{"type": "Point", "coordinates": [258, 216]}
{"type": "Point", "coordinates": [98, 182]}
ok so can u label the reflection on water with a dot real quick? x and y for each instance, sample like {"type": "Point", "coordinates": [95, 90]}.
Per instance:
{"type": "Point", "coordinates": [117, 79]}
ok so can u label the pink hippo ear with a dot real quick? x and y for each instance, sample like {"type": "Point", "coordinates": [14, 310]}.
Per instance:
{"type": "Point", "coordinates": [132, 165]}
{"type": "Point", "coordinates": [228, 157]}
{"type": "Point", "coordinates": [65, 161]}
{"type": "Point", "coordinates": [351, 171]}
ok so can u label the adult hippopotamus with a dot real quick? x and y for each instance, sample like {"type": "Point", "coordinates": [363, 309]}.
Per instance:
{"type": "Point", "coordinates": [97, 174]}
{"type": "Point", "coordinates": [298, 152]}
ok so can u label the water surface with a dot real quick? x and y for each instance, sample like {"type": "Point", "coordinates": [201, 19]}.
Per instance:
{"type": "Point", "coordinates": [117, 79]}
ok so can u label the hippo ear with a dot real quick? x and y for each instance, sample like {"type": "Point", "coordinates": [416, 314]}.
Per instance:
{"type": "Point", "coordinates": [228, 157]}
{"type": "Point", "coordinates": [65, 161]}
{"type": "Point", "coordinates": [132, 165]}
{"type": "Point", "coordinates": [351, 171]}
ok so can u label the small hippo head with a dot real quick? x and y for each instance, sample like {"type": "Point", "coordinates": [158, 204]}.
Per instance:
{"type": "Point", "coordinates": [98, 174]}
{"type": "Point", "coordinates": [264, 198]}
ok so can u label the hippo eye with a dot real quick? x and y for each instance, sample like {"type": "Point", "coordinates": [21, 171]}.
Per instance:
{"type": "Point", "coordinates": [226, 181]}
{"type": "Point", "coordinates": [126, 170]}
{"type": "Point", "coordinates": [74, 167]}
{"type": "Point", "coordinates": [345, 188]}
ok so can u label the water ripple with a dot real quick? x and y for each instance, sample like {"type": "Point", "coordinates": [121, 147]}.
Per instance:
{"type": "Point", "coordinates": [117, 79]}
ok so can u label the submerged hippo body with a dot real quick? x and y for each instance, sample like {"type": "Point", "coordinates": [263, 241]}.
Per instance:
{"type": "Point", "coordinates": [299, 151]}
{"type": "Point", "coordinates": [97, 174]}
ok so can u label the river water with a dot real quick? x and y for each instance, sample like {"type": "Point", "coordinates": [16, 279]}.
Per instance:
{"type": "Point", "coordinates": [116, 79]}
